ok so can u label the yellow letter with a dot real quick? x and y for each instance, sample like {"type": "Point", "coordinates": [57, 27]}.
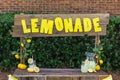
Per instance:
{"type": "Point", "coordinates": [68, 25]}
{"type": "Point", "coordinates": [25, 29]}
{"type": "Point", "coordinates": [78, 26]}
{"type": "Point", "coordinates": [59, 24]}
{"type": "Point", "coordinates": [97, 27]}
{"type": "Point", "coordinates": [34, 25]}
{"type": "Point", "coordinates": [46, 26]}
{"type": "Point", "coordinates": [87, 24]}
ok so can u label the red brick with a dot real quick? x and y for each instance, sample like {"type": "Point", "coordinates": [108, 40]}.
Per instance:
{"type": "Point", "coordinates": [62, 6]}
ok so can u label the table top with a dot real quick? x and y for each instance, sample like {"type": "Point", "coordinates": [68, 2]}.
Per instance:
{"type": "Point", "coordinates": [58, 72]}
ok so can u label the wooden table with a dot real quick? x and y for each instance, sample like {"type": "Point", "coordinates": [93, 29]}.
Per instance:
{"type": "Point", "coordinates": [59, 74]}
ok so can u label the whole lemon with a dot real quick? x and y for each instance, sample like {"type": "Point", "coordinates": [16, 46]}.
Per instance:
{"type": "Point", "coordinates": [22, 66]}
{"type": "Point", "coordinates": [30, 70]}
{"type": "Point", "coordinates": [96, 56]}
{"type": "Point", "coordinates": [17, 56]}
{"type": "Point", "coordinates": [97, 67]}
{"type": "Point", "coordinates": [22, 44]}
{"type": "Point", "coordinates": [101, 61]}
{"type": "Point", "coordinates": [28, 40]}
{"type": "Point", "coordinates": [19, 65]}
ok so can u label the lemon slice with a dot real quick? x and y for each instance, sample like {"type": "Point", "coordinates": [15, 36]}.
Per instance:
{"type": "Point", "coordinates": [36, 69]}
{"type": "Point", "coordinates": [94, 71]}
{"type": "Point", "coordinates": [90, 70]}
{"type": "Point", "coordinates": [30, 70]}
{"type": "Point", "coordinates": [30, 60]}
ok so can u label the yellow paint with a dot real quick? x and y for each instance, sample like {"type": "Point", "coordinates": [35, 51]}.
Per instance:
{"type": "Point", "coordinates": [68, 25]}
{"type": "Point", "coordinates": [11, 77]}
{"type": "Point", "coordinates": [87, 24]}
{"type": "Point", "coordinates": [46, 26]}
{"type": "Point", "coordinates": [25, 29]}
{"type": "Point", "coordinates": [78, 25]}
{"type": "Point", "coordinates": [65, 25]}
{"type": "Point", "coordinates": [59, 23]}
{"type": "Point", "coordinates": [34, 27]}
{"type": "Point", "coordinates": [96, 25]}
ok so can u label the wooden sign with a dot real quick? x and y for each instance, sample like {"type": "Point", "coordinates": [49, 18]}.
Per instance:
{"type": "Point", "coordinates": [43, 25]}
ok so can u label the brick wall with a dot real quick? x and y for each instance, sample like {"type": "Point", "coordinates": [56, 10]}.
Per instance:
{"type": "Point", "coordinates": [62, 6]}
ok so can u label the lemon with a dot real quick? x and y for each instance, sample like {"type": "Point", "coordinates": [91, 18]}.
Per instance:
{"type": "Point", "coordinates": [96, 56]}
{"type": "Point", "coordinates": [97, 67]}
{"type": "Point", "coordinates": [22, 66]}
{"type": "Point", "coordinates": [101, 48]}
{"type": "Point", "coordinates": [99, 41]}
{"type": "Point", "coordinates": [19, 65]}
{"type": "Point", "coordinates": [30, 60]}
{"type": "Point", "coordinates": [28, 40]}
{"type": "Point", "coordinates": [94, 70]}
{"type": "Point", "coordinates": [30, 70]}
{"type": "Point", "coordinates": [17, 56]}
{"type": "Point", "coordinates": [101, 61]}
{"type": "Point", "coordinates": [22, 44]}
{"type": "Point", "coordinates": [90, 70]}
{"type": "Point", "coordinates": [36, 69]}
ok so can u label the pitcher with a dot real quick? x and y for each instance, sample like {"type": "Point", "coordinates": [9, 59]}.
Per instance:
{"type": "Point", "coordinates": [90, 61]}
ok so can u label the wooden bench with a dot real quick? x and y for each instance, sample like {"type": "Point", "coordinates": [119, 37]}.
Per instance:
{"type": "Point", "coordinates": [57, 19]}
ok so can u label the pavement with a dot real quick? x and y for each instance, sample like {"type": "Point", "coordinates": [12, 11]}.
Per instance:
{"type": "Point", "coordinates": [4, 75]}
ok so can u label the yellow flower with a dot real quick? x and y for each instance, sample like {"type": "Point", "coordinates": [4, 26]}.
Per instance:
{"type": "Point", "coordinates": [22, 44]}
{"type": "Point", "coordinates": [28, 40]}
{"type": "Point", "coordinates": [101, 61]}
{"type": "Point", "coordinates": [17, 56]}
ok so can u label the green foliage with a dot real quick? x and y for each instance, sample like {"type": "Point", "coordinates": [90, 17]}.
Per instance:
{"type": "Point", "coordinates": [60, 51]}
{"type": "Point", "coordinates": [111, 44]}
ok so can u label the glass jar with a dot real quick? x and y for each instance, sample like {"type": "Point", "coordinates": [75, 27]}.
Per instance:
{"type": "Point", "coordinates": [84, 67]}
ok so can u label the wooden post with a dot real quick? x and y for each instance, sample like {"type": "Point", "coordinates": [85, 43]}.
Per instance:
{"type": "Point", "coordinates": [21, 52]}
{"type": "Point", "coordinates": [97, 39]}
{"type": "Point", "coordinates": [97, 42]}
